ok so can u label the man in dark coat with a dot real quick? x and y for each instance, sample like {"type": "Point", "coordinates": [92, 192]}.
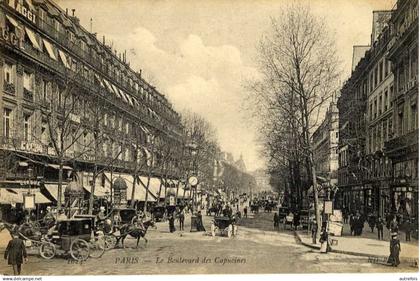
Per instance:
{"type": "Point", "coordinates": [200, 226]}
{"type": "Point", "coordinates": [394, 249]}
{"type": "Point", "coordinates": [380, 227]}
{"type": "Point", "coordinates": [171, 221]}
{"type": "Point", "coordinates": [352, 220]}
{"type": "Point", "coordinates": [15, 253]}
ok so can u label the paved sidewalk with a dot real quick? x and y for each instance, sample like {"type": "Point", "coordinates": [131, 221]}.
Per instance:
{"type": "Point", "coordinates": [365, 245]}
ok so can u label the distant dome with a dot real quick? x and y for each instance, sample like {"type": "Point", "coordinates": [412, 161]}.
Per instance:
{"type": "Point", "coordinates": [119, 183]}
{"type": "Point", "coordinates": [73, 188]}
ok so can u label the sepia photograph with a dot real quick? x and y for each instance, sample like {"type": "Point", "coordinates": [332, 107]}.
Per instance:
{"type": "Point", "coordinates": [204, 137]}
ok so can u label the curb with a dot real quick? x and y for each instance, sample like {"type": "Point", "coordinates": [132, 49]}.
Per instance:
{"type": "Point", "coordinates": [402, 259]}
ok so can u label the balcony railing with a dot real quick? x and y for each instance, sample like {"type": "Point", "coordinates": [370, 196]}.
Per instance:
{"type": "Point", "coordinates": [402, 141]}
{"type": "Point", "coordinates": [9, 88]}
{"type": "Point", "coordinates": [28, 95]}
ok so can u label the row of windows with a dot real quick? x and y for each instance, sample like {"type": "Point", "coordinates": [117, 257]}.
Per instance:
{"type": "Point", "coordinates": [49, 92]}
{"type": "Point", "coordinates": [82, 142]}
{"type": "Point", "coordinates": [381, 103]}
{"type": "Point", "coordinates": [378, 135]}
{"type": "Point", "coordinates": [379, 73]}
{"type": "Point", "coordinates": [72, 63]}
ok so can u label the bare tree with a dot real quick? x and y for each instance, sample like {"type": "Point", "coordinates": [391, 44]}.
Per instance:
{"type": "Point", "coordinates": [299, 67]}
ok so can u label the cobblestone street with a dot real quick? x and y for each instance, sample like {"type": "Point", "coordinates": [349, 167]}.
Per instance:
{"type": "Point", "coordinates": [257, 249]}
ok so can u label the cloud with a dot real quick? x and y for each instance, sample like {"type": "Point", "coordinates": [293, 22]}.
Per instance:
{"type": "Point", "coordinates": [205, 79]}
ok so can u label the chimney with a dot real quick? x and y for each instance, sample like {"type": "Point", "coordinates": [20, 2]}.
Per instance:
{"type": "Point", "coordinates": [73, 10]}
{"type": "Point", "coordinates": [67, 11]}
{"type": "Point", "coordinates": [140, 73]}
{"type": "Point", "coordinates": [103, 39]}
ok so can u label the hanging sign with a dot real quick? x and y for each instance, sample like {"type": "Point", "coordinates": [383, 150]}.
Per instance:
{"type": "Point", "coordinates": [29, 201]}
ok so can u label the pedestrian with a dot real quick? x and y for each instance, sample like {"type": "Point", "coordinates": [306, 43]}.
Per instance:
{"type": "Point", "coordinates": [360, 224]}
{"type": "Point", "coordinates": [200, 225]}
{"type": "Point", "coordinates": [371, 221]}
{"type": "Point", "coordinates": [171, 220]}
{"type": "Point", "coordinates": [388, 217]}
{"type": "Point", "coordinates": [407, 229]}
{"type": "Point", "coordinates": [276, 220]}
{"type": "Point", "coordinates": [394, 225]}
{"type": "Point", "coordinates": [345, 217]}
{"type": "Point", "coordinates": [296, 220]}
{"type": "Point", "coordinates": [380, 227]}
{"type": "Point", "coordinates": [181, 218]}
{"type": "Point", "coordinates": [325, 247]}
{"type": "Point", "coordinates": [15, 253]}
{"type": "Point", "coordinates": [394, 249]}
{"type": "Point", "coordinates": [246, 212]}
{"type": "Point", "coordinates": [314, 231]}
{"type": "Point", "coordinates": [352, 220]}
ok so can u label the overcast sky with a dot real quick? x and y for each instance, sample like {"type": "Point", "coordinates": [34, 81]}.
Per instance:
{"type": "Point", "coordinates": [198, 53]}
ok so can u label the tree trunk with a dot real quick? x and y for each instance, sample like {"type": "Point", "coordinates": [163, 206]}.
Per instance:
{"type": "Point", "coordinates": [133, 191]}
{"type": "Point", "coordinates": [147, 193]}
{"type": "Point", "coordinates": [60, 185]}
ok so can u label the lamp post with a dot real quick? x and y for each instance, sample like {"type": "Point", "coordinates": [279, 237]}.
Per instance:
{"type": "Point", "coordinates": [193, 181]}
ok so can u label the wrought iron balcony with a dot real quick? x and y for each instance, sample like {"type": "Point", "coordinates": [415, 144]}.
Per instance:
{"type": "Point", "coordinates": [9, 88]}
{"type": "Point", "coordinates": [402, 142]}
{"type": "Point", "coordinates": [28, 95]}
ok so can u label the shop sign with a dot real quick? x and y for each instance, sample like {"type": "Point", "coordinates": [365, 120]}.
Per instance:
{"type": "Point", "coordinates": [172, 200]}
{"type": "Point", "coordinates": [29, 201]}
{"type": "Point", "coordinates": [328, 207]}
{"type": "Point", "coordinates": [27, 13]}
{"type": "Point", "coordinates": [10, 37]}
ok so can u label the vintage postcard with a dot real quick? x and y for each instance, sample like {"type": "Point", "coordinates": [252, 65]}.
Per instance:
{"type": "Point", "coordinates": [144, 137]}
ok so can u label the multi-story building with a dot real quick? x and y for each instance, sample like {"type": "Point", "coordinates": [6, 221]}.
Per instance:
{"type": "Point", "coordinates": [380, 175]}
{"type": "Point", "coordinates": [402, 147]}
{"type": "Point", "coordinates": [61, 90]}
{"type": "Point", "coordinates": [325, 145]}
{"type": "Point", "coordinates": [352, 107]}
{"type": "Point", "coordinates": [376, 166]}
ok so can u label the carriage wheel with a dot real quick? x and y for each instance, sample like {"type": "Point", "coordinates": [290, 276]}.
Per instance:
{"type": "Point", "coordinates": [79, 250]}
{"type": "Point", "coordinates": [47, 250]}
{"type": "Point", "coordinates": [110, 242]}
{"type": "Point", "coordinates": [229, 231]}
{"type": "Point", "coordinates": [97, 247]}
{"type": "Point", "coordinates": [213, 230]}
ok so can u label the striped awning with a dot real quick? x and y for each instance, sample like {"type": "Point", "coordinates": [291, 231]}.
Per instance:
{"type": "Point", "coordinates": [15, 195]}
{"type": "Point", "coordinates": [32, 38]}
{"type": "Point", "coordinates": [52, 189]}
{"type": "Point", "coordinates": [50, 49]}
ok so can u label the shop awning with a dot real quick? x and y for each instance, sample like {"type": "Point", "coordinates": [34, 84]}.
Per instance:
{"type": "Point", "coordinates": [55, 166]}
{"type": "Point", "coordinates": [108, 85]}
{"type": "Point", "coordinates": [15, 195]}
{"type": "Point", "coordinates": [32, 37]}
{"type": "Point", "coordinates": [154, 186]}
{"type": "Point", "coordinates": [50, 49]}
{"type": "Point", "coordinates": [100, 191]}
{"type": "Point", "coordinates": [115, 90]}
{"type": "Point", "coordinates": [63, 58]}
{"type": "Point", "coordinates": [52, 189]}
{"type": "Point", "coordinates": [99, 80]}
{"type": "Point", "coordinates": [12, 21]}
{"type": "Point", "coordinates": [140, 193]}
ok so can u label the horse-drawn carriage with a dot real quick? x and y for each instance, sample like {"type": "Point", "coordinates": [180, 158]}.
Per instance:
{"type": "Point", "coordinates": [225, 226]}
{"type": "Point", "coordinates": [75, 237]}
{"type": "Point", "coordinates": [159, 213]}
{"type": "Point", "coordinates": [255, 208]}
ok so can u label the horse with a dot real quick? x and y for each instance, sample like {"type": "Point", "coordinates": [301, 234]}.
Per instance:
{"type": "Point", "coordinates": [12, 228]}
{"type": "Point", "coordinates": [134, 231]}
